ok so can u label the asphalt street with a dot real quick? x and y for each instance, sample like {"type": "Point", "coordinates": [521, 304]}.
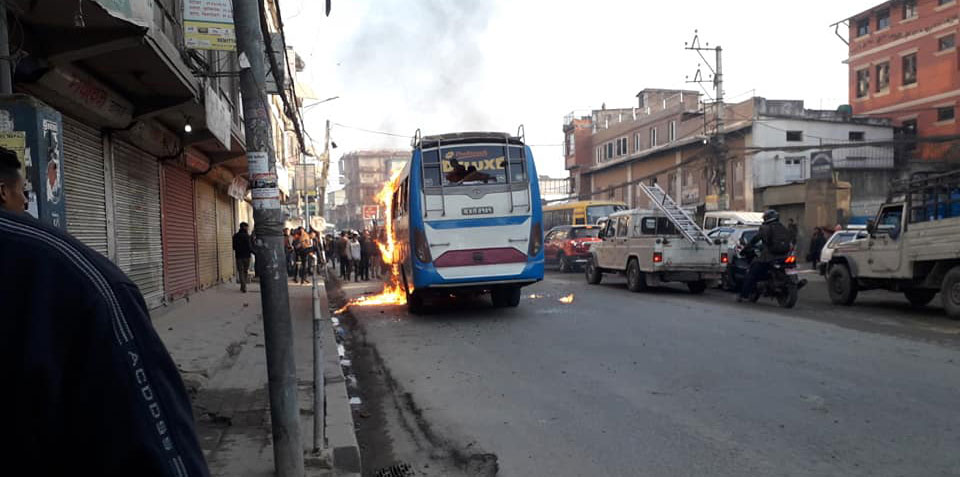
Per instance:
{"type": "Point", "coordinates": [666, 383]}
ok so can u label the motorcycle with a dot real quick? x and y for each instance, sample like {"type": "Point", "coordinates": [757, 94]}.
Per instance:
{"type": "Point", "coordinates": [781, 282]}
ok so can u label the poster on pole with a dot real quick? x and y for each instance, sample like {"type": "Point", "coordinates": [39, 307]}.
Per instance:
{"type": "Point", "coordinates": [208, 25]}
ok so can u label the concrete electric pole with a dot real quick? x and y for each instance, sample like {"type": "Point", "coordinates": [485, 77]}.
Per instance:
{"type": "Point", "coordinates": [718, 160]}
{"type": "Point", "coordinates": [277, 326]}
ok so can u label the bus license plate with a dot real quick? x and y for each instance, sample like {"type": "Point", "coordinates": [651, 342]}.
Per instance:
{"type": "Point", "coordinates": [476, 210]}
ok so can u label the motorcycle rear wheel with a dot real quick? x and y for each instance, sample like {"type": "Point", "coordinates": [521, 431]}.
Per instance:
{"type": "Point", "coordinates": [788, 297]}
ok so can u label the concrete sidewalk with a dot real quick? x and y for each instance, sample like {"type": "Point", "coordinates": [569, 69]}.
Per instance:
{"type": "Point", "coordinates": [217, 341]}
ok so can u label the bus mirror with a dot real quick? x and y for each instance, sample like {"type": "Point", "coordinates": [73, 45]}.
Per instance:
{"type": "Point", "coordinates": [871, 226]}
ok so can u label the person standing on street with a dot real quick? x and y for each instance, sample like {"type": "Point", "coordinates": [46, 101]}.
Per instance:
{"type": "Point", "coordinates": [91, 385]}
{"type": "Point", "coordinates": [288, 250]}
{"type": "Point", "coordinates": [344, 250]}
{"type": "Point", "coordinates": [816, 246]}
{"type": "Point", "coordinates": [794, 232]}
{"type": "Point", "coordinates": [355, 249]}
{"type": "Point", "coordinates": [364, 257]}
{"type": "Point", "coordinates": [304, 255]}
{"type": "Point", "coordinates": [242, 250]}
{"type": "Point", "coordinates": [371, 251]}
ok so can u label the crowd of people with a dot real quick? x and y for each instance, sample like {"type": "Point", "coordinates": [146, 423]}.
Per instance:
{"type": "Point", "coordinates": [357, 254]}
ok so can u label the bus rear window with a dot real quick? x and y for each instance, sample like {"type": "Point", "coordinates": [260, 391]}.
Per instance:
{"type": "Point", "coordinates": [472, 165]}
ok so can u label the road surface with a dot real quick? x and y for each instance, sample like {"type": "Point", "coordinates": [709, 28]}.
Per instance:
{"type": "Point", "coordinates": [659, 383]}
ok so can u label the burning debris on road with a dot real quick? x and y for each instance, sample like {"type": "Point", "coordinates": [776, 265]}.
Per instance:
{"type": "Point", "coordinates": [566, 299]}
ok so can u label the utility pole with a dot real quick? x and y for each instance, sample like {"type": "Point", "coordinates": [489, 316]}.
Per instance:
{"type": "Point", "coordinates": [6, 81]}
{"type": "Point", "coordinates": [324, 171]}
{"type": "Point", "coordinates": [277, 326]}
{"type": "Point", "coordinates": [718, 161]}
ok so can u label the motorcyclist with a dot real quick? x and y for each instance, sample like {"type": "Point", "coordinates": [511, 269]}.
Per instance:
{"type": "Point", "coordinates": [776, 246]}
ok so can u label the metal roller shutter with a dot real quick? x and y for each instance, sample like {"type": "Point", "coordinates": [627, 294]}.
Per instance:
{"type": "Point", "coordinates": [83, 182]}
{"type": "Point", "coordinates": [137, 213]}
{"type": "Point", "coordinates": [179, 236]}
{"type": "Point", "coordinates": [206, 233]}
{"type": "Point", "coordinates": [225, 229]}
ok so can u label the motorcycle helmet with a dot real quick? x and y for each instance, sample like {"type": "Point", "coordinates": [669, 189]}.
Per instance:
{"type": "Point", "coordinates": [771, 216]}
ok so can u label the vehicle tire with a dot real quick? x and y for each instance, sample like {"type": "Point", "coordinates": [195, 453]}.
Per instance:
{"type": "Point", "coordinates": [697, 287]}
{"type": "Point", "coordinates": [505, 296]}
{"type": "Point", "coordinates": [788, 298]}
{"type": "Point", "coordinates": [950, 293]}
{"type": "Point", "coordinates": [592, 272]}
{"type": "Point", "coordinates": [565, 265]}
{"type": "Point", "coordinates": [841, 286]}
{"type": "Point", "coordinates": [920, 297]}
{"type": "Point", "coordinates": [415, 303]}
{"type": "Point", "coordinates": [636, 281]}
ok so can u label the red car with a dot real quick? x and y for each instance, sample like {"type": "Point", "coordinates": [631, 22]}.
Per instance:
{"type": "Point", "coordinates": [568, 246]}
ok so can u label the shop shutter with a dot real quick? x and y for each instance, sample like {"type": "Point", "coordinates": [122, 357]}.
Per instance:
{"type": "Point", "coordinates": [225, 230]}
{"type": "Point", "coordinates": [83, 182]}
{"type": "Point", "coordinates": [137, 213]}
{"type": "Point", "coordinates": [206, 233]}
{"type": "Point", "coordinates": [179, 236]}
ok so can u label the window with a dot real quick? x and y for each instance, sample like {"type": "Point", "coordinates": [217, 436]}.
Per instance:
{"type": "Point", "coordinates": [794, 136]}
{"type": "Point", "coordinates": [622, 146]}
{"type": "Point", "coordinates": [609, 150]}
{"type": "Point", "coordinates": [653, 137]}
{"type": "Point", "coordinates": [623, 225]}
{"type": "Point", "coordinates": [883, 19]}
{"type": "Point", "coordinates": [636, 141]}
{"type": "Point", "coordinates": [518, 164]}
{"type": "Point", "coordinates": [947, 42]}
{"type": "Point", "coordinates": [945, 114]}
{"type": "Point", "coordinates": [944, 2]}
{"type": "Point", "coordinates": [856, 135]}
{"type": "Point", "coordinates": [909, 131]}
{"type": "Point", "coordinates": [569, 145]}
{"type": "Point", "coordinates": [889, 221]}
{"type": "Point", "coordinates": [599, 156]}
{"type": "Point", "coordinates": [863, 83]}
{"type": "Point", "coordinates": [431, 169]}
{"type": "Point", "coordinates": [910, 69]}
{"type": "Point", "coordinates": [474, 165]}
{"type": "Point", "coordinates": [863, 27]}
{"type": "Point", "coordinates": [672, 131]}
{"type": "Point", "coordinates": [883, 76]}
{"type": "Point", "coordinates": [597, 212]}
{"type": "Point", "coordinates": [909, 9]}
{"type": "Point", "coordinates": [793, 169]}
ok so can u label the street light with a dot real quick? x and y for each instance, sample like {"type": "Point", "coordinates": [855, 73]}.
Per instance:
{"type": "Point", "coordinates": [321, 102]}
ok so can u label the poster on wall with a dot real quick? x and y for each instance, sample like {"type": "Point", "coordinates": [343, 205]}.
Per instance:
{"type": "Point", "coordinates": [208, 25]}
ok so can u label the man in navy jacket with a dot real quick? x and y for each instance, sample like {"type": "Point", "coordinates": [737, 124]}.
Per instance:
{"type": "Point", "coordinates": [88, 387]}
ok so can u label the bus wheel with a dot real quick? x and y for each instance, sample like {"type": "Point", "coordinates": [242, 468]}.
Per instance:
{"type": "Point", "coordinates": [415, 303]}
{"type": "Point", "coordinates": [506, 296]}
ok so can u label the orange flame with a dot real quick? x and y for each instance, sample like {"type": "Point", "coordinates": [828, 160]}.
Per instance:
{"type": "Point", "coordinates": [392, 293]}
{"type": "Point", "coordinates": [567, 299]}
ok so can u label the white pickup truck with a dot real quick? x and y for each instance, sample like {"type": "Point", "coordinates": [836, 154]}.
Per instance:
{"type": "Point", "coordinates": [912, 247]}
{"type": "Point", "coordinates": [650, 250]}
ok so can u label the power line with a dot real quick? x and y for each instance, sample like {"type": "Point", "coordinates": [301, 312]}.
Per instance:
{"type": "Point", "coordinates": [371, 131]}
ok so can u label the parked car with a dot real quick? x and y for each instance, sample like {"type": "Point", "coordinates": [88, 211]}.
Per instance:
{"type": "Point", "coordinates": [734, 238]}
{"type": "Point", "coordinates": [839, 237]}
{"type": "Point", "coordinates": [568, 246]}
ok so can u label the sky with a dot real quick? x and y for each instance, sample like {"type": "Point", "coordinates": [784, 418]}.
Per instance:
{"type": "Point", "coordinates": [456, 65]}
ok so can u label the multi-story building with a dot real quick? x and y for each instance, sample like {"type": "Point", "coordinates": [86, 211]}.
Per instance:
{"type": "Point", "coordinates": [147, 157]}
{"type": "Point", "coordinates": [904, 66]}
{"type": "Point", "coordinates": [808, 164]}
{"type": "Point", "coordinates": [363, 174]}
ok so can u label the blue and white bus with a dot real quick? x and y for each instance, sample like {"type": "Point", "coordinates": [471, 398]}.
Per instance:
{"type": "Point", "coordinates": [467, 217]}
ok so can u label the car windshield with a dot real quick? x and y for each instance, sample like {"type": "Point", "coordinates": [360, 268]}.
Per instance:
{"type": "Point", "coordinates": [592, 232]}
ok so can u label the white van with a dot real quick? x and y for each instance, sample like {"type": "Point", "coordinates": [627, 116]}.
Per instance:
{"type": "Point", "coordinates": [731, 218]}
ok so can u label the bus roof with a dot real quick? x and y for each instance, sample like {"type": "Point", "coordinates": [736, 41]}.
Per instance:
{"type": "Point", "coordinates": [582, 203]}
{"type": "Point", "coordinates": [468, 137]}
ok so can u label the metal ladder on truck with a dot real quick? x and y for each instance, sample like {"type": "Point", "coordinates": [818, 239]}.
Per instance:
{"type": "Point", "coordinates": [680, 219]}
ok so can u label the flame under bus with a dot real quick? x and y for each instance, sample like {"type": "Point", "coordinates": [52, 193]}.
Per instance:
{"type": "Point", "coordinates": [467, 217]}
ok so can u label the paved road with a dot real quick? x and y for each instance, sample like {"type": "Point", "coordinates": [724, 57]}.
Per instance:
{"type": "Point", "coordinates": [664, 383]}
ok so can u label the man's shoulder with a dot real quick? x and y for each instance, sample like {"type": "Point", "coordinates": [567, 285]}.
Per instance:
{"type": "Point", "coordinates": [49, 246]}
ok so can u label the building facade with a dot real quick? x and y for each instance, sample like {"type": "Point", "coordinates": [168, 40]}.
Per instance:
{"type": "Point", "coordinates": [363, 174]}
{"type": "Point", "coordinates": [903, 64]}
{"type": "Point", "coordinates": [146, 160]}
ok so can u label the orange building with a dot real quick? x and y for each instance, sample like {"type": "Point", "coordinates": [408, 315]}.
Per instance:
{"type": "Point", "coordinates": [904, 66]}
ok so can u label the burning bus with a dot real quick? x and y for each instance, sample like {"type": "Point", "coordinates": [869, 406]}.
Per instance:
{"type": "Point", "coordinates": [464, 216]}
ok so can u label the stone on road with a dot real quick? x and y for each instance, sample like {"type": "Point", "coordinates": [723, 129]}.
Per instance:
{"type": "Point", "coordinates": [664, 383]}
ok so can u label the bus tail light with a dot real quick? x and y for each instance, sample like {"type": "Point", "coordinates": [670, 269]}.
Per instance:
{"type": "Point", "coordinates": [657, 257]}
{"type": "Point", "coordinates": [421, 247]}
{"type": "Point", "coordinates": [536, 240]}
